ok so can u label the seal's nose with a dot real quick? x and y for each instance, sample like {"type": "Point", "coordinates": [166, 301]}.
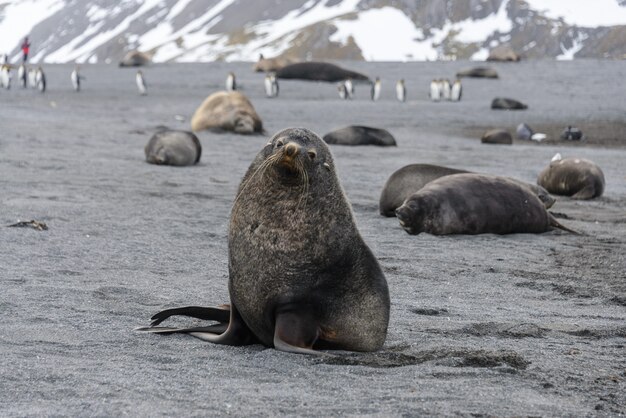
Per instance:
{"type": "Point", "coordinates": [291, 149]}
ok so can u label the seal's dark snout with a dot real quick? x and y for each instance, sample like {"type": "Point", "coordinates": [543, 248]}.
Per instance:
{"type": "Point", "coordinates": [291, 149]}
{"type": "Point", "coordinates": [402, 215]}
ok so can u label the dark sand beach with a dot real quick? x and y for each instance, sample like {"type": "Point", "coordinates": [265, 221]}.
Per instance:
{"type": "Point", "coordinates": [488, 325]}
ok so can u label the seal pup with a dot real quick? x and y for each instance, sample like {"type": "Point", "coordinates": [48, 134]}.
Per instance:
{"type": "Point", "coordinates": [40, 78]}
{"type": "Point", "coordinates": [141, 83]}
{"type": "Point", "coordinates": [411, 178]}
{"type": "Point", "coordinates": [375, 92]}
{"type": "Point", "coordinates": [227, 111]}
{"type": "Point", "coordinates": [231, 83]}
{"type": "Point", "coordinates": [445, 89]}
{"type": "Point", "coordinates": [271, 85]}
{"type": "Point", "coordinates": [457, 91]}
{"type": "Point", "coordinates": [503, 103]}
{"type": "Point", "coordinates": [75, 77]}
{"type": "Point", "coordinates": [401, 90]}
{"type": "Point", "coordinates": [319, 71]}
{"type": "Point", "coordinates": [22, 76]}
{"type": "Point", "coordinates": [435, 91]}
{"type": "Point", "coordinates": [301, 278]}
{"type": "Point", "coordinates": [574, 177]}
{"type": "Point", "coordinates": [360, 135]}
{"type": "Point", "coordinates": [497, 136]}
{"type": "Point", "coordinates": [572, 134]}
{"type": "Point", "coordinates": [475, 204]}
{"type": "Point", "coordinates": [172, 147]}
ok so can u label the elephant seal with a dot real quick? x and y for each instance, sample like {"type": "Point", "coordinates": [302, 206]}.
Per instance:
{"type": "Point", "coordinates": [497, 136]}
{"type": "Point", "coordinates": [478, 72]}
{"type": "Point", "coordinates": [360, 135]}
{"type": "Point", "coordinates": [269, 65]}
{"type": "Point", "coordinates": [475, 204]}
{"type": "Point", "coordinates": [503, 103]}
{"type": "Point", "coordinates": [227, 111]}
{"type": "Point", "coordinates": [318, 71]}
{"type": "Point", "coordinates": [503, 53]}
{"type": "Point", "coordinates": [413, 177]}
{"type": "Point", "coordinates": [301, 277]}
{"type": "Point", "coordinates": [169, 147]}
{"type": "Point", "coordinates": [135, 59]}
{"type": "Point", "coordinates": [574, 177]}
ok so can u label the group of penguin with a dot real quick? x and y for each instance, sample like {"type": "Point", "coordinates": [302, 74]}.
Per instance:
{"type": "Point", "coordinates": [36, 79]}
{"type": "Point", "coordinates": [26, 77]}
{"type": "Point", "coordinates": [270, 83]}
{"type": "Point", "coordinates": [439, 90]}
{"type": "Point", "coordinates": [442, 90]}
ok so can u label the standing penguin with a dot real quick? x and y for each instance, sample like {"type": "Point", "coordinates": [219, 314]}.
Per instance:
{"type": "Point", "coordinates": [445, 89]}
{"type": "Point", "coordinates": [401, 90]}
{"type": "Point", "coordinates": [32, 78]}
{"type": "Point", "coordinates": [5, 76]}
{"type": "Point", "coordinates": [141, 83]}
{"type": "Point", "coordinates": [40, 78]}
{"type": "Point", "coordinates": [435, 91]}
{"type": "Point", "coordinates": [75, 77]}
{"type": "Point", "coordinates": [271, 85]}
{"type": "Point", "coordinates": [343, 93]}
{"type": "Point", "coordinates": [231, 83]}
{"type": "Point", "coordinates": [457, 91]}
{"type": "Point", "coordinates": [349, 87]}
{"type": "Point", "coordinates": [376, 89]}
{"type": "Point", "coordinates": [21, 75]}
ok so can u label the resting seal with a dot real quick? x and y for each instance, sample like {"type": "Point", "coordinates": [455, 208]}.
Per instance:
{"type": "Point", "coordinates": [360, 135]}
{"type": "Point", "coordinates": [135, 59]}
{"type": "Point", "coordinates": [497, 136]}
{"type": "Point", "coordinates": [318, 71]}
{"type": "Point", "coordinates": [502, 103]}
{"type": "Point", "coordinates": [575, 177]}
{"type": "Point", "coordinates": [177, 148]}
{"type": "Point", "coordinates": [474, 204]}
{"type": "Point", "coordinates": [478, 72]}
{"type": "Point", "coordinates": [227, 111]}
{"type": "Point", "coordinates": [300, 275]}
{"type": "Point", "coordinates": [411, 178]}
{"type": "Point", "coordinates": [271, 64]}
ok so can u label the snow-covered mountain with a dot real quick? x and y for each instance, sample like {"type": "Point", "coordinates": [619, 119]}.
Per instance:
{"type": "Point", "coordinates": [381, 30]}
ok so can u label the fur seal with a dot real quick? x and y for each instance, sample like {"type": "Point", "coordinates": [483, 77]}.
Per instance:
{"type": "Point", "coordinates": [360, 135]}
{"type": "Point", "coordinates": [475, 204]}
{"type": "Point", "coordinates": [478, 72]}
{"type": "Point", "coordinates": [227, 111]}
{"type": "Point", "coordinates": [497, 136]}
{"type": "Point", "coordinates": [318, 71]}
{"type": "Point", "coordinates": [170, 147]}
{"type": "Point", "coordinates": [574, 177]}
{"type": "Point", "coordinates": [413, 177]}
{"type": "Point", "coordinates": [301, 277]}
{"type": "Point", "coordinates": [503, 103]}
{"type": "Point", "coordinates": [135, 59]}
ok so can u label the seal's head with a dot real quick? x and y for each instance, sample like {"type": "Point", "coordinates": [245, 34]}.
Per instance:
{"type": "Point", "coordinates": [411, 216]}
{"type": "Point", "coordinates": [244, 123]}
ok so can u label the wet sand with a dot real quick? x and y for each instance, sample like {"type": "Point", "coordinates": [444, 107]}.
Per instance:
{"type": "Point", "coordinates": [481, 325]}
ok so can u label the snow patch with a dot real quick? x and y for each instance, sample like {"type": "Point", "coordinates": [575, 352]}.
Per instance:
{"type": "Point", "coordinates": [577, 45]}
{"type": "Point", "coordinates": [585, 13]}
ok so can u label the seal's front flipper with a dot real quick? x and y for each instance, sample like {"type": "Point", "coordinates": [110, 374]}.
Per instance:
{"type": "Point", "coordinates": [296, 332]}
{"type": "Point", "coordinates": [208, 313]}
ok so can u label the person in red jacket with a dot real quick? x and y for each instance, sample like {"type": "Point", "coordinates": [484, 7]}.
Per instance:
{"type": "Point", "coordinates": [25, 49]}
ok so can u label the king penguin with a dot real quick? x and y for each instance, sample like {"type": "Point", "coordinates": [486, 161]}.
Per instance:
{"type": "Point", "coordinates": [457, 91]}
{"type": "Point", "coordinates": [271, 85]}
{"type": "Point", "coordinates": [435, 91]}
{"type": "Point", "coordinates": [401, 90]}
{"type": "Point", "coordinates": [141, 83]}
{"type": "Point", "coordinates": [75, 77]}
{"type": "Point", "coordinates": [231, 83]}
{"type": "Point", "coordinates": [22, 76]}
{"type": "Point", "coordinates": [40, 78]}
{"type": "Point", "coordinates": [376, 89]}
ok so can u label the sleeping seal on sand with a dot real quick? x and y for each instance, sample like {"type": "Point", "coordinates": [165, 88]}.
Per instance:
{"type": "Point", "coordinates": [227, 111]}
{"type": "Point", "coordinates": [301, 277]}
{"type": "Point", "coordinates": [169, 147]}
{"type": "Point", "coordinates": [575, 177]}
{"type": "Point", "coordinates": [503, 103]}
{"type": "Point", "coordinates": [318, 71]}
{"type": "Point", "coordinates": [475, 204]}
{"type": "Point", "coordinates": [411, 178]}
{"type": "Point", "coordinates": [360, 135]}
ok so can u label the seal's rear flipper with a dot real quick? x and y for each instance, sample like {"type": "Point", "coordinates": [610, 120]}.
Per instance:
{"type": "Point", "coordinates": [585, 193]}
{"type": "Point", "coordinates": [214, 329]}
{"type": "Point", "coordinates": [555, 224]}
{"type": "Point", "coordinates": [207, 313]}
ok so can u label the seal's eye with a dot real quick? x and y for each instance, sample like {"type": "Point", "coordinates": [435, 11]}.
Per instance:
{"type": "Point", "coordinates": [312, 154]}
{"type": "Point", "coordinates": [279, 143]}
